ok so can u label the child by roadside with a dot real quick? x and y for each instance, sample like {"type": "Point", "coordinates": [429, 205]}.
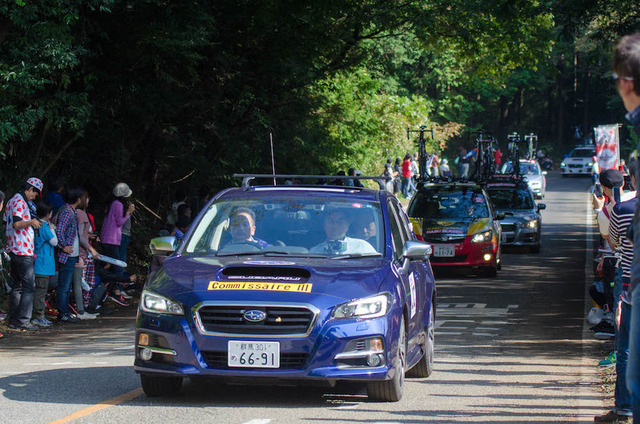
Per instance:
{"type": "Point", "coordinates": [44, 265]}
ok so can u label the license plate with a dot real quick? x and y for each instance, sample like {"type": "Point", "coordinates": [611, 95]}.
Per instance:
{"type": "Point", "coordinates": [446, 250]}
{"type": "Point", "coordinates": [253, 354]}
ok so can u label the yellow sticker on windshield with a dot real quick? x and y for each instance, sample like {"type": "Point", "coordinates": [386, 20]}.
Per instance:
{"type": "Point", "coordinates": [237, 285]}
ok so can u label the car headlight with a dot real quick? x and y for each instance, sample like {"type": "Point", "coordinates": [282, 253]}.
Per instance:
{"type": "Point", "coordinates": [480, 237]}
{"type": "Point", "coordinates": [155, 303]}
{"type": "Point", "coordinates": [563, 164]}
{"type": "Point", "coordinates": [590, 164]}
{"type": "Point", "coordinates": [530, 224]}
{"type": "Point", "coordinates": [368, 307]}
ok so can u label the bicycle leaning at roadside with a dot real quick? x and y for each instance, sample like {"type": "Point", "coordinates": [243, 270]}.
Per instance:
{"type": "Point", "coordinates": [626, 75]}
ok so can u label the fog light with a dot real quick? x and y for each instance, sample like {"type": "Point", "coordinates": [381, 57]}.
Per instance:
{"type": "Point", "coordinates": [373, 360]}
{"type": "Point", "coordinates": [143, 339]}
{"type": "Point", "coordinates": [146, 354]}
{"type": "Point", "coordinates": [487, 257]}
{"type": "Point", "coordinates": [375, 345]}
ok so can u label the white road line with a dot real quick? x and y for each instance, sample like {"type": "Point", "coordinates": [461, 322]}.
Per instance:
{"type": "Point", "coordinates": [259, 421]}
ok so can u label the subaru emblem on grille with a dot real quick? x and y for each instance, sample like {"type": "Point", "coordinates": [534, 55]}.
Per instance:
{"type": "Point", "coordinates": [254, 315]}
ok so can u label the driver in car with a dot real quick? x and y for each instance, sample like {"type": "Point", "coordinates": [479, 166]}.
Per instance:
{"type": "Point", "coordinates": [243, 227]}
{"type": "Point", "coordinates": [336, 224]}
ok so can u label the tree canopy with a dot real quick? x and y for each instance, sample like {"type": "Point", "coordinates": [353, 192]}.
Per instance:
{"type": "Point", "coordinates": [183, 93]}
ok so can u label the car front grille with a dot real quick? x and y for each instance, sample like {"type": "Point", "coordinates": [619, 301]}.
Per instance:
{"type": "Point", "coordinates": [509, 228]}
{"type": "Point", "coordinates": [218, 360]}
{"type": "Point", "coordinates": [439, 238]}
{"type": "Point", "coordinates": [280, 320]}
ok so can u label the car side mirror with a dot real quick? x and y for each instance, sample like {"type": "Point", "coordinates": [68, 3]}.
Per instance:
{"type": "Point", "coordinates": [542, 206]}
{"type": "Point", "coordinates": [499, 217]}
{"type": "Point", "coordinates": [544, 172]}
{"type": "Point", "coordinates": [416, 250]}
{"type": "Point", "coordinates": [163, 246]}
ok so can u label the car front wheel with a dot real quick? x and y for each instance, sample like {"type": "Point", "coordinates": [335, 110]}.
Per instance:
{"type": "Point", "coordinates": [424, 367]}
{"type": "Point", "coordinates": [391, 390]}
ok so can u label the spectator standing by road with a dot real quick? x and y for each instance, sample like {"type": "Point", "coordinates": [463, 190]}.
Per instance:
{"type": "Point", "coordinates": [54, 195]}
{"type": "Point", "coordinates": [69, 251]}
{"type": "Point", "coordinates": [389, 175]}
{"type": "Point", "coordinates": [45, 263]}
{"type": "Point", "coordinates": [87, 253]}
{"type": "Point", "coordinates": [406, 175]}
{"type": "Point", "coordinates": [117, 215]}
{"type": "Point", "coordinates": [626, 68]}
{"type": "Point", "coordinates": [21, 226]}
{"type": "Point", "coordinates": [497, 158]}
{"type": "Point", "coordinates": [1, 205]}
{"type": "Point", "coordinates": [397, 179]}
{"type": "Point", "coordinates": [621, 218]}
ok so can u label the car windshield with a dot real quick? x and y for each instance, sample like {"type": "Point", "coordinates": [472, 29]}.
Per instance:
{"type": "Point", "coordinates": [526, 168]}
{"type": "Point", "coordinates": [582, 153]}
{"type": "Point", "coordinates": [295, 225]}
{"type": "Point", "coordinates": [511, 198]}
{"type": "Point", "coordinates": [456, 203]}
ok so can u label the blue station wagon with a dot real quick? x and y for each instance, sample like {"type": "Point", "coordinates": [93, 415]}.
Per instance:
{"type": "Point", "coordinates": [291, 283]}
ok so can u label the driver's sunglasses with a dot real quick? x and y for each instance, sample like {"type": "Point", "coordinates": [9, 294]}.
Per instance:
{"type": "Point", "coordinates": [616, 77]}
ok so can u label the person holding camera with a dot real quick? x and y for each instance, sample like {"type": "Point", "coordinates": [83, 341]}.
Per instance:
{"type": "Point", "coordinates": [21, 228]}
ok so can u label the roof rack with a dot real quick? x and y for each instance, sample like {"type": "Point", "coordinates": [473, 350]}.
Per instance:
{"type": "Point", "coordinates": [246, 178]}
{"type": "Point", "coordinates": [506, 180]}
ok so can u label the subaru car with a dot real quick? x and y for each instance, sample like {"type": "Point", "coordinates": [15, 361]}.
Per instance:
{"type": "Point", "coordinates": [290, 284]}
{"type": "Point", "coordinates": [457, 219]}
{"type": "Point", "coordinates": [532, 173]}
{"type": "Point", "coordinates": [579, 161]}
{"type": "Point", "coordinates": [522, 221]}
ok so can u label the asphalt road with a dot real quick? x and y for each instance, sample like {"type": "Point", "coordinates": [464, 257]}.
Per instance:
{"type": "Point", "coordinates": [512, 349]}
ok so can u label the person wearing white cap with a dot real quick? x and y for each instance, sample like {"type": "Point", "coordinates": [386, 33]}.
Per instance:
{"type": "Point", "coordinates": [21, 226]}
{"type": "Point", "coordinates": [116, 216]}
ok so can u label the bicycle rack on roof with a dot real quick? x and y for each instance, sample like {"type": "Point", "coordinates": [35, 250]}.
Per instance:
{"type": "Point", "coordinates": [247, 178]}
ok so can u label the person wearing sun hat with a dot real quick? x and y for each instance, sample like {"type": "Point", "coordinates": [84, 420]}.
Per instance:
{"type": "Point", "coordinates": [116, 216]}
{"type": "Point", "coordinates": [21, 226]}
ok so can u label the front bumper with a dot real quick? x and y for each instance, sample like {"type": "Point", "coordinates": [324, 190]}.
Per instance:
{"type": "Point", "coordinates": [468, 254]}
{"type": "Point", "coordinates": [576, 169]}
{"type": "Point", "coordinates": [516, 235]}
{"type": "Point", "coordinates": [333, 350]}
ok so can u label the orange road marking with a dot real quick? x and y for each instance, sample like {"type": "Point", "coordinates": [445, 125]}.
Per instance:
{"type": "Point", "coordinates": [95, 408]}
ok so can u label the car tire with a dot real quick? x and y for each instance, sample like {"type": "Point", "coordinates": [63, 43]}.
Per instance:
{"type": "Point", "coordinates": [391, 390]}
{"type": "Point", "coordinates": [160, 386]}
{"type": "Point", "coordinates": [491, 271]}
{"type": "Point", "coordinates": [564, 175]}
{"type": "Point", "coordinates": [424, 367]}
{"type": "Point", "coordinates": [535, 249]}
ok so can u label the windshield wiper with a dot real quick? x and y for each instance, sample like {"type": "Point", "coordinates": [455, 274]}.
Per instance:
{"type": "Point", "coordinates": [255, 252]}
{"type": "Point", "coordinates": [356, 256]}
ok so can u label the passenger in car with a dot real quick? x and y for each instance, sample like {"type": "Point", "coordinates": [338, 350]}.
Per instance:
{"type": "Point", "coordinates": [336, 224]}
{"type": "Point", "coordinates": [243, 227]}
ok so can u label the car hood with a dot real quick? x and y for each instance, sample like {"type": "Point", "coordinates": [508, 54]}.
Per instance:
{"type": "Point", "coordinates": [570, 160]}
{"type": "Point", "coordinates": [517, 215]}
{"type": "Point", "coordinates": [534, 178]}
{"type": "Point", "coordinates": [452, 227]}
{"type": "Point", "coordinates": [194, 279]}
